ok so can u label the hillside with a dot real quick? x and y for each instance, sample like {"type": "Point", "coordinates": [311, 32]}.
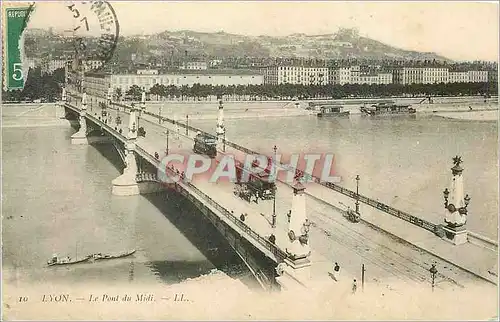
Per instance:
{"type": "Point", "coordinates": [346, 43]}
{"type": "Point", "coordinates": [174, 45]}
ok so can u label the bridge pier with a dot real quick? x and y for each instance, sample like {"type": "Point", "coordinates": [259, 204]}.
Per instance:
{"type": "Point", "coordinates": [80, 137]}
{"type": "Point", "coordinates": [126, 184]}
{"type": "Point", "coordinates": [295, 272]}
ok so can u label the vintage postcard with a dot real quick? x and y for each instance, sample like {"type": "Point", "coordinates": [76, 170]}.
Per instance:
{"type": "Point", "coordinates": [259, 160]}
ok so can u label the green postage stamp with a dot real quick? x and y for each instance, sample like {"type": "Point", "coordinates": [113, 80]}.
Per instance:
{"type": "Point", "coordinates": [15, 17]}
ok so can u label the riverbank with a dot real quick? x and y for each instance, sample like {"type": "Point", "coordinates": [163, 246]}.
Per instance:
{"type": "Point", "coordinates": [33, 115]}
{"type": "Point", "coordinates": [14, 123]}
{"type": "Point", "coordinates": [208, 110]}
{"type": "Point", "coordinates": [485, 115]}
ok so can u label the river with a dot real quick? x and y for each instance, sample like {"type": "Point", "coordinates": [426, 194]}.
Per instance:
{"type": "Point", "coordinates": [403, 161]}
{"type": "Point", "coordinates": [57, 199]}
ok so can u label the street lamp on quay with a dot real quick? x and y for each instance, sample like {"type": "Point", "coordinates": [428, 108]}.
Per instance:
{"type": "Point", "coordinates": [224, 142]}
{"type": "Point", "coordinates": [357, 193]}
{"type": "Point", "coordinates": [274, 197]}
{"type": "Point", "coordinates": [187, 123]}
{"type": "Point", "coordinates": [433, 271]}
{"type": "Point", "coordinates": [446, 193]}
{"type": "Point", "coordinates": [166, 150]}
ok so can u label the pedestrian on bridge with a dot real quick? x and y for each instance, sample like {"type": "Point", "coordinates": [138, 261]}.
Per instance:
{"type": "Point", "coordinates": [354, 286]}
{"type": "Point", "coordinates": [336, 272]}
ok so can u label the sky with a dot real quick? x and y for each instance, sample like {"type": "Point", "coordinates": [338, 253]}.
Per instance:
{"type": "Point", "coordinates": [457, 30]}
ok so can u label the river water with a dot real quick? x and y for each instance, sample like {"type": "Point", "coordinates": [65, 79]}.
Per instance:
{"type": "Point", "coordinates": [57, 196]}
{"type": "Point", "coordinates": [57, 199]}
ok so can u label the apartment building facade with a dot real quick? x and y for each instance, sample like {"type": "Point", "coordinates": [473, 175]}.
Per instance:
{"type": "Point", "coordinates": [458, 77]}
{"type": "Point", "coordinates": [354, 75]}
{"type": "Point", "coordinates": [478, 76]}
{"type": "Point", "coordinates": [429, 75]}
{"type": "Point", "coordinates": [194, 65]}
{"type": "Point", "coordinates": [98, 84]}
{"type": "Point", "coordinates": [420, 75]}
{"type": "Point", "coordinates": [275, 75]}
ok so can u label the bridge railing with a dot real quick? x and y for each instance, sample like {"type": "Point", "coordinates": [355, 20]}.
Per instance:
{"type": "Point", "coordinates": [371, 202]}
{"type": "Point", "coordinates": [145, 176]}
{"type": "Point", "coordinates": [280, 255]}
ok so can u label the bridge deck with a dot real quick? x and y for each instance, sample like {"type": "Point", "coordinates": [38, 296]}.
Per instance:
{"type": "Point", "coordinates": [333, 238]}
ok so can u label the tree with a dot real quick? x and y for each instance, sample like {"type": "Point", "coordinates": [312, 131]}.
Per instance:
{"type": "Point", "coordinates": [158, 90]}
{"type": "Point", "coordinates": [118, 93]}
{"type": "Point", "coordinates": [134, 91]}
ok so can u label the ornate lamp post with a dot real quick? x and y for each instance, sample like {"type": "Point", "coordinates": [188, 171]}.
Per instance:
{"type": "Point", "coordinates": [187, 123]}
{"type": "Point", "coordinates": [224, 142]}
{"type": "Point", "coordinates": [357, 193]}
{"type": "Point", "coordinates": [446, 193]}
{"type": "Point", "coordinates": [433, 272]}
{"type": "Point", "coordinates": [467, 200]}
{"type": "Point", "coordinates": [166, 150]}
{"type": "Point", "coordinates": [274, 197]}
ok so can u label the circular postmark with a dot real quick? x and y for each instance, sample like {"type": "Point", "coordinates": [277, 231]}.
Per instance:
{"type": "Point", "coordinates": [88, 37]}
{"type": "Point", "coordinates": [93, 51]}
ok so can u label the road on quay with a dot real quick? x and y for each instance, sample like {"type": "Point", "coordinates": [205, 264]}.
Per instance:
{"type": "Point", "coordinates": [386, 260]}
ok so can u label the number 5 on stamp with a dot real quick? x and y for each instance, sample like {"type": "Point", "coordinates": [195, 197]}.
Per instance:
{"type": "Point", "coordinates": [14, 18]}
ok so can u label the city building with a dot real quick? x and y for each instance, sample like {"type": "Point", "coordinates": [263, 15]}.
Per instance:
{"type": "Point", "coordinates": [98, 84]}
{"type": "Point", "coordinates": [458, 77]}
{"type": "Point", "coordinates": [215, 62]}
{"type": "Point", "coordinates": [344, 75]}
{"type": "Point", "coordinates": [493, 76]}
{"type": "Point", "coordinates": [478, 76]}
{"type": "Point", "coordinates": [33, 62]}
{"type": "Point", "coordinates": [420, 75]}
{"type": "Point", "coordinates": [89, 65]}
{"type": "Point", "coordinates": [194, 65]}
{"type": "Point", "coordinates": [375, 79]}
{"type": "Point", "coordinates": [295, 75]}
{"type": "Point", "coordinates": [55, 64]}
{"type": "Point", "coordinates": [147, 72]}
{"type": "Point", "coordinates": [354, 75]}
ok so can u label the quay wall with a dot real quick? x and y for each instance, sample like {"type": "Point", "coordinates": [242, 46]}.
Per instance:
{"type": "Point", "coordinates": [482, 241]}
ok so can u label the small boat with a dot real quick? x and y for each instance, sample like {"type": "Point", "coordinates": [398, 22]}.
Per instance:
{"type": "Point", "coordinates": [101, 256]}
{"type": "Point", "coordinates": [332, 110]}
{"type": "Point", "coordinates": [387, 107]}
{"type": "Point", "coordinates": [67, 260]}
